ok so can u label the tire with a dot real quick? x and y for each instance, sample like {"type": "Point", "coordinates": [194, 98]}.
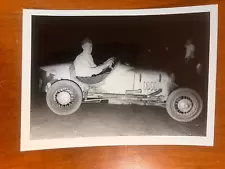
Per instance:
{"type": "Point", "coordinates": [64, 97]}
{"type": "Point", "coordinates": [184, 105]}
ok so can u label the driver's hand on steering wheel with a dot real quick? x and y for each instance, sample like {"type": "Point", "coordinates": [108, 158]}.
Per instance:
{"type": "Point", "coordinates": [110, 66]}
{"type": "Point", "coordinates": [110, 61]}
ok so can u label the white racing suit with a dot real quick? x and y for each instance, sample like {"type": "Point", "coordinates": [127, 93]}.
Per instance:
{"type": "Point", "coordinates": [85, 66]}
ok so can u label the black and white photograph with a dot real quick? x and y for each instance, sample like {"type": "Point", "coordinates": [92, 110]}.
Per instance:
{"type": "Point", "coordinates": [118, 77]}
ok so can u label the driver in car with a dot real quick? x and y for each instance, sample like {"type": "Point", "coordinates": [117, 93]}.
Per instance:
{"type": "Point", "coordinates": [84, 63]}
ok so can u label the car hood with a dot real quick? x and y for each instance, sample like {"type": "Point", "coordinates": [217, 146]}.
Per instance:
{"type": "Point", "coordinates": [127, 67]}
{"type": "Point", "coordinates": [157, 75]}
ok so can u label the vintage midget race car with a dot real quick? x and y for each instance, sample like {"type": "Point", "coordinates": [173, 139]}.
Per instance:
{"type": "Point", "coordinates": [122, 84]}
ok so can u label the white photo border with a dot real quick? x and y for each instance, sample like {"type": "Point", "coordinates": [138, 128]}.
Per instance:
{"type": "Point", "coordinates": [26, 144]}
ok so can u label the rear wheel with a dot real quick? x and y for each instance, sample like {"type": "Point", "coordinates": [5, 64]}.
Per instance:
{"type": "Point", "coordinates": [64, 97]}
{"type": "Point", "coordinates": [184, 105]}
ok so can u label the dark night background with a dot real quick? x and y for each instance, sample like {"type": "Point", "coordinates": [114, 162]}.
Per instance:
{"type": "Point", "coordinates": [57, 40]}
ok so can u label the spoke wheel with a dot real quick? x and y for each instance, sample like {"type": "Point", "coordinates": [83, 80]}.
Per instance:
{"type": "Point", "coordinates": [64, 97]}
{"type": "Point", "coordinates": [184, 105]}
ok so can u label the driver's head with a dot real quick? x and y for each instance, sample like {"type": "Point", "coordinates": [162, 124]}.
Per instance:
{"type": "Point", "coordinates": [87, 45]}
{"type": "Point", "coordinates": [189, 41]}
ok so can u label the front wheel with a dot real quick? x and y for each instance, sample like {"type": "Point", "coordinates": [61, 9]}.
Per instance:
{"type": "Point", "coordinates": [184, 105]}
{"type": "Point", "coordinates": [64, 97]}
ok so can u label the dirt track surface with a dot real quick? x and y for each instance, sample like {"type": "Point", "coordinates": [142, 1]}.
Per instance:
{"type": "Point", "coordinates": [110, 120]}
